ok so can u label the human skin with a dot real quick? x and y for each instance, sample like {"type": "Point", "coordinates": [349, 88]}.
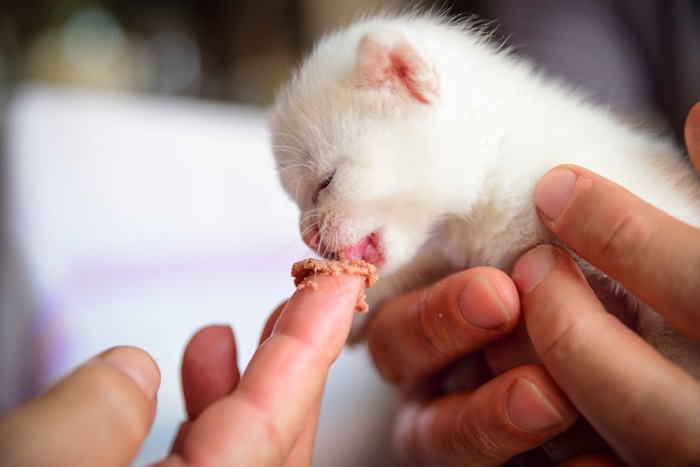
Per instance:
{"type": "Point", "coordinates": [591, 362]}
{"type": "Point", "coordinates": [100, 414]}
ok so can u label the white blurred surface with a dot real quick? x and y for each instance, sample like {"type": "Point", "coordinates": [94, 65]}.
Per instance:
{"type": "Point", "coordinates": [136, 221]}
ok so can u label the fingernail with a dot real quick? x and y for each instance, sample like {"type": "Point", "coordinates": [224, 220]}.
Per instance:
{"type": "Point", "coordinates": [554, 191]}
{"type": "Point", "coordinates": [530, 410]}
{"type": "Point", "coordinates": [481, 306]}
{"type": "Point", "coordinates": [138, 366]}
{"type": "Point", "coordinates": [533, 266]}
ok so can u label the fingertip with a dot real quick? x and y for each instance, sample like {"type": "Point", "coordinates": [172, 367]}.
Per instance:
{"type": "Point", "coordinates": [211, 342]}
{"type": "Point", "coordinates": [137, 365]}
{"type": "Point", "coordinates": [533, 266]}
{"type": "Point", "coordinates": [209, 368]}
{"type": "Point", "coordinates": [213, 331]}
{"type": "Point", "coordinates": [321, 314]}
{"type": "Point", "coordinates": [554, 191]}
{"type": "Point", "coordinates": [488, 301]}
{"type": "Point", "coordinates": [532, 407]}
{"type": "Point", "coordinates": [334, 289]}
{"type": "Point", "coordinates": [99, 413]}
{"type": "Point", "coordinates": [523, 406]}
{"type": "Point", "coordinates": [421, 332]}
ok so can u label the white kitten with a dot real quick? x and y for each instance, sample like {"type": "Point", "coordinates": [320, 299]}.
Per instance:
{"type": "Point", "coordinates": [414, 143]}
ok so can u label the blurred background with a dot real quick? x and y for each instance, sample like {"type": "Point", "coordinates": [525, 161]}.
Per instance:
{"type": "Point", "coordinates": [139, 200]}
{"type": "Point", "coordinates": [223, 50]}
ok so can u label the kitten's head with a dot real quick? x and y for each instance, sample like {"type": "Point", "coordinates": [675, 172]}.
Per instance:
{"type": "Point", "coordinates": [351, 134]}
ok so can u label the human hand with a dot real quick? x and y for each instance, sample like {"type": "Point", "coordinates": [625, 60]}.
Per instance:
{"type": "Point", "coordinates": [453, 413]}
{"type": "Point", "coordinates": [643, 405]}
{"type": "Point", "coordinates": [416, 339]}
{"type": "Point", "coordinates": [100, 414]}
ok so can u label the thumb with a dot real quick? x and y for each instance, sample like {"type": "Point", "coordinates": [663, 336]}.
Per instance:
{"type": "Point", "coordinates": [100, 414]}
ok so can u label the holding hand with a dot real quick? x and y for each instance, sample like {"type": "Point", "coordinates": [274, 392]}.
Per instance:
{"type": "Point", "coordinates": [456, 350]}
{"type": "Point", "coordinates": [644, 405]}
{"type": "Point", "coordinates": [449, 418]}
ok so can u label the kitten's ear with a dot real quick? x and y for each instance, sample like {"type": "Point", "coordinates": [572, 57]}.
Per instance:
{"type": "Point", "coordinates": [387, 58]}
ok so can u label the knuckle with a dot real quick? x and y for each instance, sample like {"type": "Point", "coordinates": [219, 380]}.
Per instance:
{"type": "Point", "coordinates": [573, 336]}
{"type": "Point", "coordinates": [632, 232]}
{"type": "Point", "coordinates": [472, 441]}
{"type": "Point", "coordinates": [561, 345]}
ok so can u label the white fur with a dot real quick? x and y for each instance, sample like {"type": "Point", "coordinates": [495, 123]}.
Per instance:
{"type": "Point", "coordinates": [446, 172]}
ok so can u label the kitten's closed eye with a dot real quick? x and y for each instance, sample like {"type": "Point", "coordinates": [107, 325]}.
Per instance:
{"type": "Point", "coordinates": [327, 181]}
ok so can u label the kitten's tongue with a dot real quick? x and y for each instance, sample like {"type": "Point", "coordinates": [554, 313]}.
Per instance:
{"type": "Point", "coordinates": [365, 250]}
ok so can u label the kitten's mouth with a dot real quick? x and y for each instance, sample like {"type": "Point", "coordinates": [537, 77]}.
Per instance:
{"type": "Point", "coordinates": [367, 249]}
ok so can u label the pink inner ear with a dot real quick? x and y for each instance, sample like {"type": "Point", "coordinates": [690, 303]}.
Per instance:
{"type": "Point", "coordinates": [388, 59]}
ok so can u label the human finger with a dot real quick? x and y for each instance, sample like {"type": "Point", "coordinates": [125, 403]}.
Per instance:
{"type": "Point", "coordinates": [513, 350]}
{"type": "Point", "coordinates": [100, 414]}
{"type": "Point", "coordinates": [510, 414]}
{"type": "Point", "coordinates": [209, 372]}
{"type": "Point", "coordinates": [692, 136]}
{"type": "Point", "coordinates": [209, 368]}
{"type": "Point", "coordinates": [653, 255]}
{"type": "Point", "coordinates": [302, 451]}
{"type": "Point", "coordinates": [417, 334]}
{"type": "Point", "coordinates": [642, 404]}
{"type": "Point", "coordinates": [271, 321]}
{"type": "Point", "coordinates": [260, 422]}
